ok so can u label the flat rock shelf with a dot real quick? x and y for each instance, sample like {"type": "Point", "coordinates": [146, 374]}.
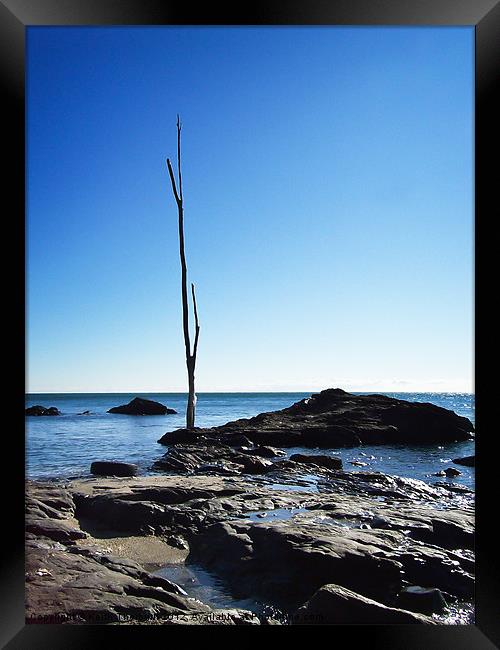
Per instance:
{"type": "Point", "coordinates": [96, 548]}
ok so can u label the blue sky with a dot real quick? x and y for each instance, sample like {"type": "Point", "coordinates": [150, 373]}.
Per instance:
{"type": "Point", "coordinates": [328, 182]}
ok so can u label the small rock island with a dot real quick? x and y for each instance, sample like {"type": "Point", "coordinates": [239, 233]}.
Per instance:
{"type": "Point", "coordinates": [42, 410]}
{"type": "Point", "coordinates": [141, 406]}
{"type": "Point", "coordinates": [335, 418]}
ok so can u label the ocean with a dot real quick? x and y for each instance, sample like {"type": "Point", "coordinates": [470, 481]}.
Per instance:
{"type": "Point", "coordinates": [64, 446]}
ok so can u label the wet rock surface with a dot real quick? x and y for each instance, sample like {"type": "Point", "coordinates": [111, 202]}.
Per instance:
{"type": "Point", "coordinates": [284, 562]}
{"type": "Point", "coordinates": [215, 459]}
{"type": "Point", "coordinates": [68, 583]}
{"type": "Point", "coordinates": [77, 586]}
{"type": "Point", "coordinates": [335, 418]}
{"type": "Point", "coordinates": [351, 541]}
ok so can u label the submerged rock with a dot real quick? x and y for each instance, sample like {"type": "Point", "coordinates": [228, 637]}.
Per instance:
{"type": "Point", "coordinates": [42, 410]}
{"type": "Point", "coordinates": [141, 406]}
{"type": "Point", "coordinates": [334, 418]}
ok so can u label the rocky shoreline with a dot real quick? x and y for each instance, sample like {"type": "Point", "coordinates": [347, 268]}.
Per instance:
{"type": "Point", "coordinates": [370, 534]}
{"type": "Point", "coordinates": [302, 540]}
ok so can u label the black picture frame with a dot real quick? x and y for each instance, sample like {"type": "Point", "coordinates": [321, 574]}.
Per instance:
{"type": "Point", "coordinates": [15, 17]}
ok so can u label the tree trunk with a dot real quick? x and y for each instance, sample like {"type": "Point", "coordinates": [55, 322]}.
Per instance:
{"type": "Point", "coordinates": [191, 405]}
{"type": "Point", "coordinates": [190, 357]}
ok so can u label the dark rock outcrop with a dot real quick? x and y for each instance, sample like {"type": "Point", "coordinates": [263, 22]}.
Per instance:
{"type": "Point", "coordinates": [141, 406]}
{"type": "Point", "coordinates": [219, 459]}
{"type": "Point", "coordinates": [113, 468]}
{"type": "Point", "coordinates": [333, 604]}
{"type": "Point", "coordinates": [54, 529]}
{"type": "Point", "coordinates": [42, 410]}
{"type": "Point", "coordinates": [285, 562]}
{"type": "Point", "coordinates": [329, 462]}
{"type": "Point", "coordinates": [265, 452]}
{"type": "Point", "coordinates": [334, 418]}
{"type": "Point", "coordinates": [467, 461]}
{"type": "Point", "coordinates": [51, 498]}
{"type": "Point", "coordinates": [123, 514]}
{"type": "Point", "coordinates": [422, 599]}
{"type": "Point", "coordinates": [78, 586]}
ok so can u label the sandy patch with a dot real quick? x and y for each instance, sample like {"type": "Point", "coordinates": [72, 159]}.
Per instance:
{"type": "Point", "coordinates": [150, 552]}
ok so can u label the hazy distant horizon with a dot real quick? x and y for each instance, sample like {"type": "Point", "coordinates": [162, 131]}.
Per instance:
{"type": "Point", "coordinates": [241, 391]}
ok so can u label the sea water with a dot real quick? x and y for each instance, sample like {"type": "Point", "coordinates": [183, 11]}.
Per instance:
{"type": "Point", "coordinates": [65, 446]}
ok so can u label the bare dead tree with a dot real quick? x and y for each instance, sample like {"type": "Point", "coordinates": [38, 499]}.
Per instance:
{"type": "Point", "coordinates": [190, 356]}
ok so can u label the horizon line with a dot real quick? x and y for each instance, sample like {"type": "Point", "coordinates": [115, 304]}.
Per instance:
{"type": "Point", "coordinates": [239, 392]}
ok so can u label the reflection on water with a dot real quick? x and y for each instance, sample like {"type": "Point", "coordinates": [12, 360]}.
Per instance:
{"type": "Point", "coordinates": [412, 461]}
{"type": "Point", "coordinates": [211, 590]}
